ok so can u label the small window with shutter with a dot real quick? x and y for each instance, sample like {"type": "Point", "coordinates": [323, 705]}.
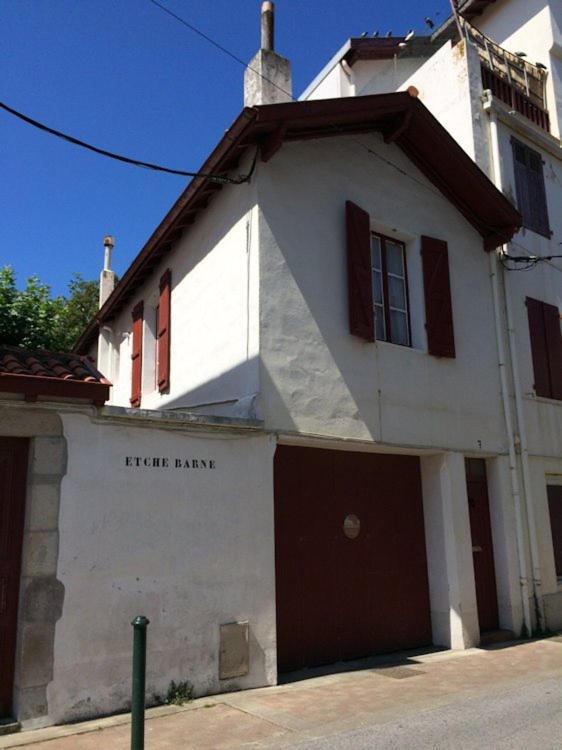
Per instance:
{"type": "Point", "coordinates": [530, 188]}
{"type": "Point", "coordinates": [377, 282]}
{"type": "Point", "coordinates": [546, 348]}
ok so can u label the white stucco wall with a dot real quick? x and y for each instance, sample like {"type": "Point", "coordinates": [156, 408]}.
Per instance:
{"type": "Point", "coordinates": [190, 548]}
{"type": "Point", "coordinates": [383, 76]}
{"type": "Point", "coordinates": [533, 27]}
{"type": "Point", "coordinates": [334, 84]}
{"type": "Point", "coordinates": [446, 86]}
{"type": "Point", "coordinates": [214, 317]}
{"type": "Point", "coordinates": [316, 377]}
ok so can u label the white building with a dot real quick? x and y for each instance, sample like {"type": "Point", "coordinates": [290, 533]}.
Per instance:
{"type": "Point", "coordinates": [498, 91]}
{"type": "Point", "coordinates": [341, 314]}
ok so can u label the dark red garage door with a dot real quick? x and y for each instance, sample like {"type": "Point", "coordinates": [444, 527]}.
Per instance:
{"type": "Point", "coordinates": [351, 570]}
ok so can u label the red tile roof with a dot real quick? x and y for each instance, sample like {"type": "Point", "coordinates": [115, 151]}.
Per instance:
{"type": "Point", "coordinates": [51, 374]}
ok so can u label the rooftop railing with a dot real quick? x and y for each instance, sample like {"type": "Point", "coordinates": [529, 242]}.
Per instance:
{"type": "Point", "coordinates": [513, 80]}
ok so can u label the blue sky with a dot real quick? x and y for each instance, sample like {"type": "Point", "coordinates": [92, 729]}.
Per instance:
{"type": "Point", "coordinates": [125, 76]}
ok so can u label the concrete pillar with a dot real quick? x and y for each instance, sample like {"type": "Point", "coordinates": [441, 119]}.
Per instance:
{"type": "Point", "coordinates": [504, 537]}
{"type": "Point", "coordinates": [41, 593]}
{"type": "Point", "coordinates": [452, 592]}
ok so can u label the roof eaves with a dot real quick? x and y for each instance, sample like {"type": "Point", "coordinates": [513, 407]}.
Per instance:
{"type": "Point", "coordinates": [485, 198]}
{"type": "Point", "coordinates": [33, 386]}
{"type": "Point", "coordinates": [398, 115]}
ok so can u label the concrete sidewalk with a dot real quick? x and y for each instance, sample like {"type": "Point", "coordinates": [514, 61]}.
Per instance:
{"type": "Point", "coordinates": [284, 716]}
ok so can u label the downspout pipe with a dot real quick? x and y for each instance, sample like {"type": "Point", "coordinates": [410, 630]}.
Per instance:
{"type": "Point", "coordinates": [515, 489]}
{"type": "Point", "coordinates": [525, 466]}
{"type": "Point", "coordinates": [522, 437]}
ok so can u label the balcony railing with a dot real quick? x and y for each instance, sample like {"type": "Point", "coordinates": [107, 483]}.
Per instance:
{"type": "Point", "coordinates": [516, 82]}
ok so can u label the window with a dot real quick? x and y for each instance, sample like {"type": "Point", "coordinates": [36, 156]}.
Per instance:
{"type": "Point", "coordinates": [554, 494]}
{"type": "Point", "coordinates": [390, 290]}
{"type": "Point", "coordinates": [377, 287]}
{"type": "Point", "coordinates": [529, 187]}
{"type": "Point", "coordinates": [546, 348]}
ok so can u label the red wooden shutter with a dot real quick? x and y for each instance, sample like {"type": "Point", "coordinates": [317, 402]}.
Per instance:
{"type": "Point", "coordinates": [359, 281]}
{"type": "Point", "coordinates": [164, 331]}
{"type": "Point", "coordinates": [136, 355]}
{"type": "Point", "coordinates": [437, 291]}
{"type": "Point", "coordinates": [539, 347]}
{"type": "Point", "coordinates": [553, 337]}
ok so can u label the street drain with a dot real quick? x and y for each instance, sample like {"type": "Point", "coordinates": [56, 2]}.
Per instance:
{"type": "Point", "coordinates": [398, 673]}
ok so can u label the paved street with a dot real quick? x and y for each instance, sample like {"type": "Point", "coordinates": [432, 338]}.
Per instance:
{"type": "Point", "coordinates": [529, 717]}
{"type": "Point", "coordinates": [500, 698]}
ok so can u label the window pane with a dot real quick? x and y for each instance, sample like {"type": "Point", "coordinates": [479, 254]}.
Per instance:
{"type": "Point", "coordinates": [399, 328]}
{"type": "Point", "coordinates": [376, 252]}
{"type": "Point", "coordinates": [379, 323]}
{"type": "Point", "coordinates": [394, 258]}
{"type": "Point", "coordinates": [396, 292]}
{"type": "Point", "coordinates": [377, 287]}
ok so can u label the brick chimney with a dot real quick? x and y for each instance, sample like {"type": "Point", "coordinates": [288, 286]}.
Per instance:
{"type": "Point", "coordinates": [267, 79]}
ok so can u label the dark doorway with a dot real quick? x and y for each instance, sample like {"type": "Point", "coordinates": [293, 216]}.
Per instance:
{"type": "Point", "coordinates": [482, 545]}
{"type": "Point", "coordinates": [13, 473]}
{"type": "Point", "coordinates": [351, 569]}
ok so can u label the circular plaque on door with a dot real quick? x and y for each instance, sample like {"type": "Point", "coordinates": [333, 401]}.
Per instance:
{"type": "Point", "coordinates": [351, 526]}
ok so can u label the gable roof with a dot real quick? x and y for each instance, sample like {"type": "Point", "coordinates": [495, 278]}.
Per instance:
{"type": "Point", "coordinates": [54, 375]}
{"type": "Point", "coordinates": [400, 117]}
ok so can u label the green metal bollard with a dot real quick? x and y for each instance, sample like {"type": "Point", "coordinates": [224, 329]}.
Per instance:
{"type": "Point", "coordinates": [139, 678]}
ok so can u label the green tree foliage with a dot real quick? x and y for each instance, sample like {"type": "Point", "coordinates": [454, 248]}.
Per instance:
{"type": "Point", "coordinates": [34, 319]}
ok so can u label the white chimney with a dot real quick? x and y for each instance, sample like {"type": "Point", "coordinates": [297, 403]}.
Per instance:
{"type": "Point", "coordinates": [267, 79]}
{"type": "Point", "coordinates": [107, 276]}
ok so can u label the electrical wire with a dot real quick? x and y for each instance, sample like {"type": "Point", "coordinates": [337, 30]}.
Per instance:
{"type": "Point", "coordinates": [532, 258]}
{"type": "Point", "coordinates": [222, 179]}
{"type": "Point", "coordinates": [217, 45]}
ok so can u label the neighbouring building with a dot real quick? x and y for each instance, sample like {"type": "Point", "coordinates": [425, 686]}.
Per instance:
{"type": "Point", "coordinates": [335, 421]}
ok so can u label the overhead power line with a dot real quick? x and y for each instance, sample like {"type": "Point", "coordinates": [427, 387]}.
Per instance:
{"type": "Point", "coordinates": [223, 179]}
{"type": "Point", "coordinates": [337, 128]}
{"type": "Point", "coordinates": [219, 46]}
